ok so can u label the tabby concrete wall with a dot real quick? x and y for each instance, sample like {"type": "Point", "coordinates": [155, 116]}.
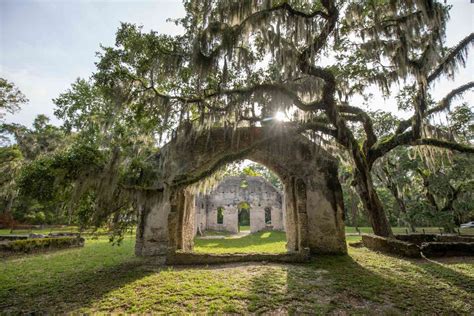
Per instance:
{"type": "Point", "coordinates": [232, 191]}
{"type": "Point", "coordinates": [313, 195]}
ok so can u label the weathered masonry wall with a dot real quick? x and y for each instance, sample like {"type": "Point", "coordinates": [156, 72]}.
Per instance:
{"type": "Point", "coordinates": [313, 200]}
{"type": "Point", "coordinates": [232, 191]}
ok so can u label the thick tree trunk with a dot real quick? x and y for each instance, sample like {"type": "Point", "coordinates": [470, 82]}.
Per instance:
{"type": "Point", "coordinates": [372, 204]}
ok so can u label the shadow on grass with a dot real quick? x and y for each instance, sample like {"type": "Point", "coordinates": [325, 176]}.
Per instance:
{"type": "Point", "coordinates": [339, 284]}
{"type": "Point", "coordinates": [72, 292]}
{"type": "Point", "coordinates": [65, 280]}
{"type": "Point", "coordinates": [365, 283]}
{"type": "Point", "coordinates": [441, 270]}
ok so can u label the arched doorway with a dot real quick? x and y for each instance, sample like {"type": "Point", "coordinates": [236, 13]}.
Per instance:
{"type": "Point", "coordinates": [313, 196]}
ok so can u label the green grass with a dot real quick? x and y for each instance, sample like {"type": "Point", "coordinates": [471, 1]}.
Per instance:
{"type": "Point", "coordinates": [216, 233]}
{"type": "Point", "coordinates": [244, 228]}
{"type": "Point", "coordinates": [105, 278]}
{"type": "Point", "coordinates": [261, 242]}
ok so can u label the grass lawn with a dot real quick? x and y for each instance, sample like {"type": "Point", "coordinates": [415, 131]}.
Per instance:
{"type": "Point", "coordinates": [267, 242]}
{"type": "Point", "coordinates": [216, 233]}
{"type": "Point", "coordinates": [105, 278]}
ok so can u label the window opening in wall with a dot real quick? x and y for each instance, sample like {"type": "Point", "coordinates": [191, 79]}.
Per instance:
{"type": "Point", "coordinates": [268, 216]}
{"type": "Point", "coordinates": [220, 215]}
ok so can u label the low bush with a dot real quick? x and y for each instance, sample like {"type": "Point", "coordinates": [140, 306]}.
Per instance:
{"type": "Point", "coordinates": [41, 244]}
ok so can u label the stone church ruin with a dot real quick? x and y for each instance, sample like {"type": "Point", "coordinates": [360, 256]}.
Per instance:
{"type": "Point", "coordinates": [312, 203]}
{"type": "Point", "coordinates": [240, 201]}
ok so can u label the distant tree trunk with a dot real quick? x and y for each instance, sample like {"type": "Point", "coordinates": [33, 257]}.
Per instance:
{"type": "Point", "coordinates": [403, 209]}
{"type": "Point", "coordinates": [449, 207]}
{"type": "Point", "coordinates": [392, 187]}
{"type": "Point", "coordinates": [354, 209]}
{"type": "Point", "coordinates": [8, 212]}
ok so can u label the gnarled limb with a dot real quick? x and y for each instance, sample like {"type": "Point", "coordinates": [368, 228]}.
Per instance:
{"type": "Point", "coordinates": [457, 51]}
{"type": "Point", "coordinates": [446, 101]}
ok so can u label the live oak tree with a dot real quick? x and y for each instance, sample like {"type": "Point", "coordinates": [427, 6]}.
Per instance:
{"type": "Point", "coordinates": [241, 61]}
{"type": "Point", "coordinates": [245, 60]}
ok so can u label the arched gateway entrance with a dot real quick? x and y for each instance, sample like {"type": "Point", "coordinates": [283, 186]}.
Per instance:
{"type": "Point", "coordinates": [313, 196]}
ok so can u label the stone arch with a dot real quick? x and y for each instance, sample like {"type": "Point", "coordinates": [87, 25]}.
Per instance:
{"type": "Point", "coordinates": [313, 195]}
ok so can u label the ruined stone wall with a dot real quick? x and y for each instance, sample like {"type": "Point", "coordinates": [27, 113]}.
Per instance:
{"type": "Point", "coordinates": [232, 191]}
{"type": "Point", "coordinates": [313, 197]}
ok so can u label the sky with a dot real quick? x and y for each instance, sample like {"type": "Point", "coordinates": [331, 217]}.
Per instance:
{"type": "Point", "coordinates": [46, 44]}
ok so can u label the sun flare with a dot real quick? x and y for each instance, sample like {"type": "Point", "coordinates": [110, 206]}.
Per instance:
{"type": "Point", "coordinates": [280, 116]}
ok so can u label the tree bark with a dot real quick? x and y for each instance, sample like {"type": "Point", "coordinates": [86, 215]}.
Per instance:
{"type": "Point", "coordinates": [373, 205]}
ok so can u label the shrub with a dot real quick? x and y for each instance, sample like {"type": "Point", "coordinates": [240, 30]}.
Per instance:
{"type": "Point", "coordinates": [39, 244]}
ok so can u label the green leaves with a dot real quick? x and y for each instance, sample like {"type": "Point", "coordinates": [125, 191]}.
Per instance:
{"type": "Point", "coordinates": [45, 177]}
{"type": "Point", "coordinates": [11, 98]}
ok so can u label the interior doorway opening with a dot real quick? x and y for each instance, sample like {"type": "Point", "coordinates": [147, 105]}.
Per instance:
{"type": "Point", "coordinates": [244, 216]}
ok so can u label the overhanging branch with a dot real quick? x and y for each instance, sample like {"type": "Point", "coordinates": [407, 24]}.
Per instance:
{"type": "Point", "coordinates": [450, 58]}
{"type": "Point", "coordinates": [446, 101]}
{"type": "Point", "coordinates": [443, 144]}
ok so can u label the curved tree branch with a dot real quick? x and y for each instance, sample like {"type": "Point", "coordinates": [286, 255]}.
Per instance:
{"type": "Point", "coordinates": [446, 101]}
{"type": "Point", "coordinates": [406, 139]}
{"type": "Point", "coordinates": [443, 144]}
{"type": "Point", "coordinates": [441, 106]}
{"type": "Point", "coordinates": [452, 56]}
